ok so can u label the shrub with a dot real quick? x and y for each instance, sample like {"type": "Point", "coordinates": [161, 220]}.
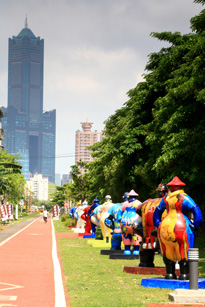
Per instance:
{"type": "Point", "coordinates": [63, 218]}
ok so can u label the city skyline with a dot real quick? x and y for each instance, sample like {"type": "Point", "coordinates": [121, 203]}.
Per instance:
{"type": "Point", "coordinates": [95, 52]}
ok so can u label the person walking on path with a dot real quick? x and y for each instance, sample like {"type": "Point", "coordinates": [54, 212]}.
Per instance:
{"type": "Point", "coordinates": [45, 215]}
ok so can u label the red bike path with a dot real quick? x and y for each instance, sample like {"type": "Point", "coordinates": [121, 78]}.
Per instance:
{"type": "Point", "coordinates": [30, 270]}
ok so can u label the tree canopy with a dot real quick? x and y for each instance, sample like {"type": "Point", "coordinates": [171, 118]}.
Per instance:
{"type": "Point", "coordinates": [159, 131]}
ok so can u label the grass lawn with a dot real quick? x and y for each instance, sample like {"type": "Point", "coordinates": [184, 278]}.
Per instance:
{"type": "Point", "coordinates": [95, 280]}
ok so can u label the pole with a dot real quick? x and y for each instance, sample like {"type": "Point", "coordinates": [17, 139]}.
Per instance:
{"type": "Point", "coordinates": [193, 268]}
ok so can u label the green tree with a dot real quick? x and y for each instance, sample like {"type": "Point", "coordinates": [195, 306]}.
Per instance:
{"type": "Point", "coordinates": [80, 187]}
{"type": "Point", "coordinates": [159, 132]}
{"type": "Point", "coordinates": [12, 180]}
{"type": "Point", "coordinates": [60, 196]}
{"type": "Point", "coordinates": [63, 194]}
{"type": "Point", "coordinates": [176, 134]}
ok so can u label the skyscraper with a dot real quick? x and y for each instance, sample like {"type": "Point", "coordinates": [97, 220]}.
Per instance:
{"type": "Point", "coordinates": [1, 130]}
{"type": "Point", "coordinates": [28, 130]}
{"type": "Point", "coordinates": [83, 139]}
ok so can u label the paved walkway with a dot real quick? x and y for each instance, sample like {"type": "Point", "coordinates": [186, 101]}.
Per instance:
{"type": "Point", "coordinates": [30, 272]}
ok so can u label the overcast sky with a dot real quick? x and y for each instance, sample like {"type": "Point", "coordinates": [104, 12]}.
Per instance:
{"type": "Point", "coordinates": [95, 51]}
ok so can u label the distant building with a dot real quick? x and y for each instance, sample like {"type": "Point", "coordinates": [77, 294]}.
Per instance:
{"type": "Point", "coordinates": [38, 185]}
{"type": "Point", "coordinates": [58, 180]}
{"type": "Point", "coordinates": [83, 139]}
{"type": "Point", "coordinates": [66, 178]}
{"type": "Point", "coordinates": [1, 130]}
{"type": "Point", "coordinates": [24, 161]}
{"type": "Point", "coordinates": [28, 130]}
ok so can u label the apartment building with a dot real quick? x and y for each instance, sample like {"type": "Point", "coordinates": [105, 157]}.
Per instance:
{"type": "Point", "coordinates": [84, 138]}
{"type": "Point", "coordinates": [38, 185]}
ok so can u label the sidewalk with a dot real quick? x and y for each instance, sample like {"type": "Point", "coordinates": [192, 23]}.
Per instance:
{"type": "Point", "coordinates": [8, 231]}
{"type": "Point", "coordinates": [30, 272]}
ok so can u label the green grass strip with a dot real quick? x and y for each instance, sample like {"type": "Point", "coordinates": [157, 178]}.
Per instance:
{"type": "Point", "coordinates": [95, 280]}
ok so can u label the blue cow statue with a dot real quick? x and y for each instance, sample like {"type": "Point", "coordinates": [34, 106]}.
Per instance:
{"type": "Point", "coordinates": [113, 223]}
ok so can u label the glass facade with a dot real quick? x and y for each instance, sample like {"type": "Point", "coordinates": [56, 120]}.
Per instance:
{"type": "Point", "coordinates": [24, 161]}
{"type": "Point", "coordinates": [27, 128]}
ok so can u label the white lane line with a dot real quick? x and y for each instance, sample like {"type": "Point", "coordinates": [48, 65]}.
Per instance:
{"type": "Point", "coordinates": [7, 305]}
{"type": "Point", "coordinates": [59, 290]}
{"type": "Point", "coordinates": [2, 305]}
{"type": "Point", "coordinates": [9, 238]}
{"type": "Point", "coordinates": [11, 287]}
{"type": "Point", "coordinates": [7, 298]}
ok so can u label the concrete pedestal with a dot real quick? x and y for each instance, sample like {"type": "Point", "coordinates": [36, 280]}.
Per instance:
{"type": "Point", "coordinates": [186, 296]}
{"type": "Point", "coordinates": [78, 230]}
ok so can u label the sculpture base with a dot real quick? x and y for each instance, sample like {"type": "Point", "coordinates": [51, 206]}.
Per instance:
{"type": "Point", "coordinates": [170, 283]}
{"type": "Point", "coordinates": [78, 230]}
{"type": "Point", "coordinates": [111, 251]}
{"type": "Point", "coordinates": [147, 270]}
{"type": "Point", "coordinates": [84, 233]}
{"type": "Point", "coordinates": [188, 296]}
{"type": "Point", "coordinates": [89, 236]}
{"type": "Point", "coordinates": [124, 257]}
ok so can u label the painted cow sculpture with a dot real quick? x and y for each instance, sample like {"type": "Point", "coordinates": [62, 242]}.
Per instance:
{"type": "Point", "coordinates": [126, 215]}
{"type": "Point", "coordinates": [150, 243]}
{"type": "Point", "coordinates": [176, 232]}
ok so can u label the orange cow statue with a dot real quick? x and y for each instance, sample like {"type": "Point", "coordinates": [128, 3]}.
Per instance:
{"type": "Point", "coordinates": [176, 232]}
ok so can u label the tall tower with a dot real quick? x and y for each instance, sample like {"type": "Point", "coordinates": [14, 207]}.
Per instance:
{"type": "Point", "coordinates": [25, 75]}
{"type": "Point", "coordinates": [83, 139]}
{"type": "Point", "coordinates": [29, 131]}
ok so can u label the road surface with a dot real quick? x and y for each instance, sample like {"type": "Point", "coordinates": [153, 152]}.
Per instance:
{"type": "Point", "coordinates": [30, 272]}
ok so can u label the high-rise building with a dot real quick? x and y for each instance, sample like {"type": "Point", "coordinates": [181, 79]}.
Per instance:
{"type": "Point", "coordinates": [38, 185]}
{"type": "Point", "coordinates": [83, 139]}
{"type": "Point", "coordinates": [1, 130]}
{"type": "Point", "coordinates": [66, 178]}
{"type": "Point", "coordinates": [24, 161]}
{"type": "Point", "coordinates": [27, 129]}
{"type": "Point", "coordinates": [57, 180]}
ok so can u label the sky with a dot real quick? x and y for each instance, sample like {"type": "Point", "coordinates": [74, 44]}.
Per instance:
{"type": "Point", "coordinates": [95, 51]}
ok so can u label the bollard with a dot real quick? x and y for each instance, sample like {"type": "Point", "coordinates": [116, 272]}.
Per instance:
{"type": "Point", "coordinates": [193, 268]}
